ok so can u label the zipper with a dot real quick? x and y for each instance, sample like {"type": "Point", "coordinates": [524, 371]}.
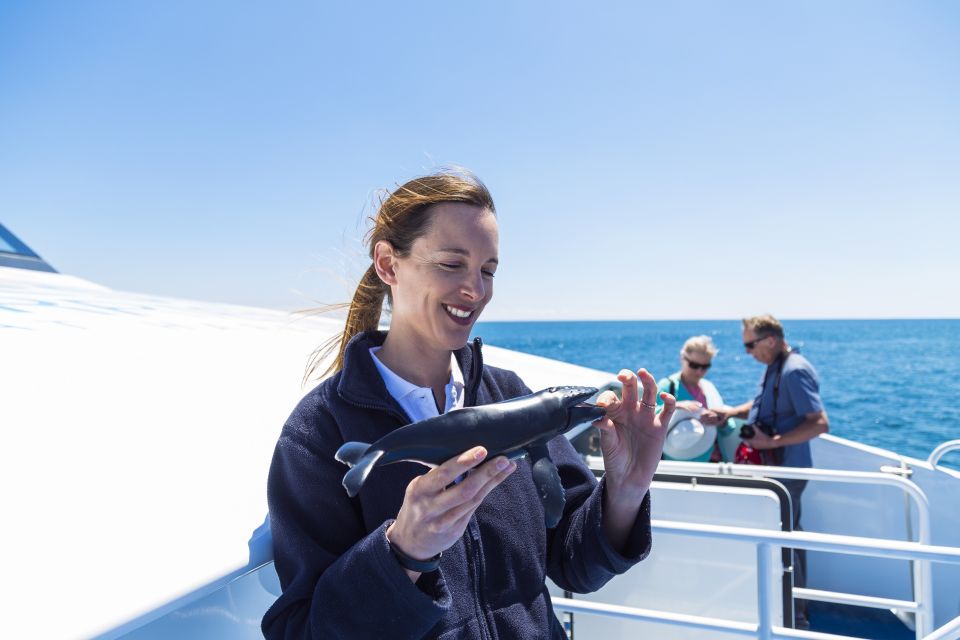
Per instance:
{"type": "Point", "coordinates": [476, 372]}
{"type": "Point", "coordinates": [473, 539]}
{"type": "Point", "coordinates": [476, 375]}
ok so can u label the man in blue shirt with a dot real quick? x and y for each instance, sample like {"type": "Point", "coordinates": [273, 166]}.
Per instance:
{"type": "Point", "coordinates": [789, 403]}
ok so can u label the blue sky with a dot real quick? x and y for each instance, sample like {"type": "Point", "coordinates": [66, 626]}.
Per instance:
{"type": "Point", "coordinates": [648, 160]}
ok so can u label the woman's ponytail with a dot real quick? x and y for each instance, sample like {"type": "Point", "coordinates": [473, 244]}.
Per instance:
{"type": "Point", "coordinates": [363, 315]}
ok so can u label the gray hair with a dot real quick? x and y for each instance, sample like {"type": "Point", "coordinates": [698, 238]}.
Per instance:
{"type": "Point", "coordinates": [699, 344]}
{"type": "Point", "coordinates": [764, 326]}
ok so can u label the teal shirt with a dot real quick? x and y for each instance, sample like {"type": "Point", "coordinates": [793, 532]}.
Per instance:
{"type": "Point", "coordinates": [679, 391]}
{"type": "Point", "coordinates": [725, 432]}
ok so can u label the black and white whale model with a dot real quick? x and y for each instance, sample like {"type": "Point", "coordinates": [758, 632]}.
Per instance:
{"type": "Point", "coordinates": [512, 428]}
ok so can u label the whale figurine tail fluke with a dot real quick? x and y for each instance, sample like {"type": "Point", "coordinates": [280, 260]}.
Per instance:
{"type": "Point", "coordinates": [361, 460]}
{"type": "Point", "coordinates": [350, 453]}
{"type": "Point", "coordinates": [354, 479]}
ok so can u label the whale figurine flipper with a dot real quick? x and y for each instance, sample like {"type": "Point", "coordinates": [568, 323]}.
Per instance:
{"type": "Point", "coordinates": [547, 480]}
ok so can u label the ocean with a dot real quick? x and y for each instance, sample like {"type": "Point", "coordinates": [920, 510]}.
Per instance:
{"type": "Point", "coordinates": [894, 384]}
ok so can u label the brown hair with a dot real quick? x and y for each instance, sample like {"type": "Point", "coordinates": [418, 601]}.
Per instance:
{"type": "Point", "coordinates": [763, 326]}
{"type": "Point", "coordinates": [402, 217]}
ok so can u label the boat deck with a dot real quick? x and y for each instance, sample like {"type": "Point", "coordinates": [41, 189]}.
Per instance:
{"type": "Point", "coordinates": [826, 617]}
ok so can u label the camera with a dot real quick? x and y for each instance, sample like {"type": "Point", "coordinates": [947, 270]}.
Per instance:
{"type": "Point", "coordinates": [747, 431]}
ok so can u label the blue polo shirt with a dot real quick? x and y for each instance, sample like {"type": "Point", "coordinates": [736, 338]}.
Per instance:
{"type": "Point", "coordinates": [799, 395]}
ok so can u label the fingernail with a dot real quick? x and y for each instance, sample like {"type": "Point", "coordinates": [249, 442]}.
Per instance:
{"type": "Point", "coordinates": [502, 464]}
{"type": "Point", "coordinates": [479, 454]}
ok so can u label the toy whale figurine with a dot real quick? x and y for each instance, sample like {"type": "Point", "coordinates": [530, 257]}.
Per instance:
{"type": "Point", "coordinates": [512, 428]}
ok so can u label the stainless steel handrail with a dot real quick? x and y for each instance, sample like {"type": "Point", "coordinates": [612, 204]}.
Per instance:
{"type": "Point", "coordinates": [922, 576]}
{"type": "Point", "coordinates": [936, 454]}
{"type": "Point", "coordinates": [767, 543]}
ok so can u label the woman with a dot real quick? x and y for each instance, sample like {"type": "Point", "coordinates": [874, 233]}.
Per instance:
{"type": "Point", "coordinates": [462, 550]}
{"type": "Point", "coordinates": [697, 395]}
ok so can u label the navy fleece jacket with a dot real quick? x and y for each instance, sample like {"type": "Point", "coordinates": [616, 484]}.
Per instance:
{"type": "Point", "coordinates": [338, 575]}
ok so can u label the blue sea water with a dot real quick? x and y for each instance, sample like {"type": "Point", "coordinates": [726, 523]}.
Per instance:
{"type": "Point", "coordinates": [894, 384]}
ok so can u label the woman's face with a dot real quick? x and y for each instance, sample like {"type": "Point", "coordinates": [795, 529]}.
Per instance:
{"type": "Point", "coordinates": [445, 282]}
{"type": "Point", "coordinates": [695, 365]}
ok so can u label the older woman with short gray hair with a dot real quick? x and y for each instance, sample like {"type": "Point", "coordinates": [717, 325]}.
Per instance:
{"type": "Point", "coordinates": [695, 394]}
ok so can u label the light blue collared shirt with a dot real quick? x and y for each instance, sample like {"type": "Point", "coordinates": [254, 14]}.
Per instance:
{"type": "Point", "coordinates": [416, 401]}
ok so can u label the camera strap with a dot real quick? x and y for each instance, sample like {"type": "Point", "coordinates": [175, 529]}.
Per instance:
{"type": "Point", "coordinates": [781, 360]}
{"type": "Point", "coordinates": [672, 390]}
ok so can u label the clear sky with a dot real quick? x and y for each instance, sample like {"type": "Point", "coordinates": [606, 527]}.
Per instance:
{"type": "Point", "coordinates": [648, 160]}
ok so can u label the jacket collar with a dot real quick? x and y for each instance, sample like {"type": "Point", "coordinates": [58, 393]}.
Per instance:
{"type": "Point", "coordinates": [360, 383]}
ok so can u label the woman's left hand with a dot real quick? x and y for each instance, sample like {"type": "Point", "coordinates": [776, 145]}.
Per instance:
{"type": "Point", "coordinates": [632, 434]}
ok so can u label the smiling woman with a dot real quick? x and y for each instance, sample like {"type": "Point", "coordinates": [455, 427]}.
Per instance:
{"type": "Point", "coordinates": [433, 549]}
{"type": "Point", "coordinates": [443, 284]}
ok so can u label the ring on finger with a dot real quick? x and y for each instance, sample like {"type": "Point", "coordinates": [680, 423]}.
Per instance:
{"type": "Point", "coordinates": [647, 405]}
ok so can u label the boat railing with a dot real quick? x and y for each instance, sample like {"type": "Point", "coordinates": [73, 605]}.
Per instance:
{"type": "Point", "coordinates": [768, 544]}
{"type": "Point", "coordinates": [940, 451]}
{"type": "Point", "coordinates": [922, 583]}
{"type": "Point", "coordinates": [909, 487]}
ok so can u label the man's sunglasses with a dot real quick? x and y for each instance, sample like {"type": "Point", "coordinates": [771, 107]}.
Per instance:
{"type": "Point", "coordinates": [750, 345]}
{"type": "Point", "coordinates": [696, 366]}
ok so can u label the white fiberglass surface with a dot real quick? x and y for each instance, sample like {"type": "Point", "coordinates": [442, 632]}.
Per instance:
{"type": "Point", "coordinates": [136, 461]}
{"type": "Point", "coordinates": [696, 576]}
{"type": "Point", "coordinates": [137, 435]}
{"type": "Point", "coordinates": [232, 612]}
{"type": "Point", "coordinates": [540, 373]}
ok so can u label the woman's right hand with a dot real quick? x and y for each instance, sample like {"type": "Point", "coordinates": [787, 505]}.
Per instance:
{"type": "Point", "coordinates": [723, 413]}
{"type": "Point", "coordinates": [710, 418]}
{"type": "Point", "coordinates": [435, 512]}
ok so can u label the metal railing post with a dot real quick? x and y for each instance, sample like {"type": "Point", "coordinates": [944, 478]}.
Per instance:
{"type": "Point", "coordinates": [764, 589]}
